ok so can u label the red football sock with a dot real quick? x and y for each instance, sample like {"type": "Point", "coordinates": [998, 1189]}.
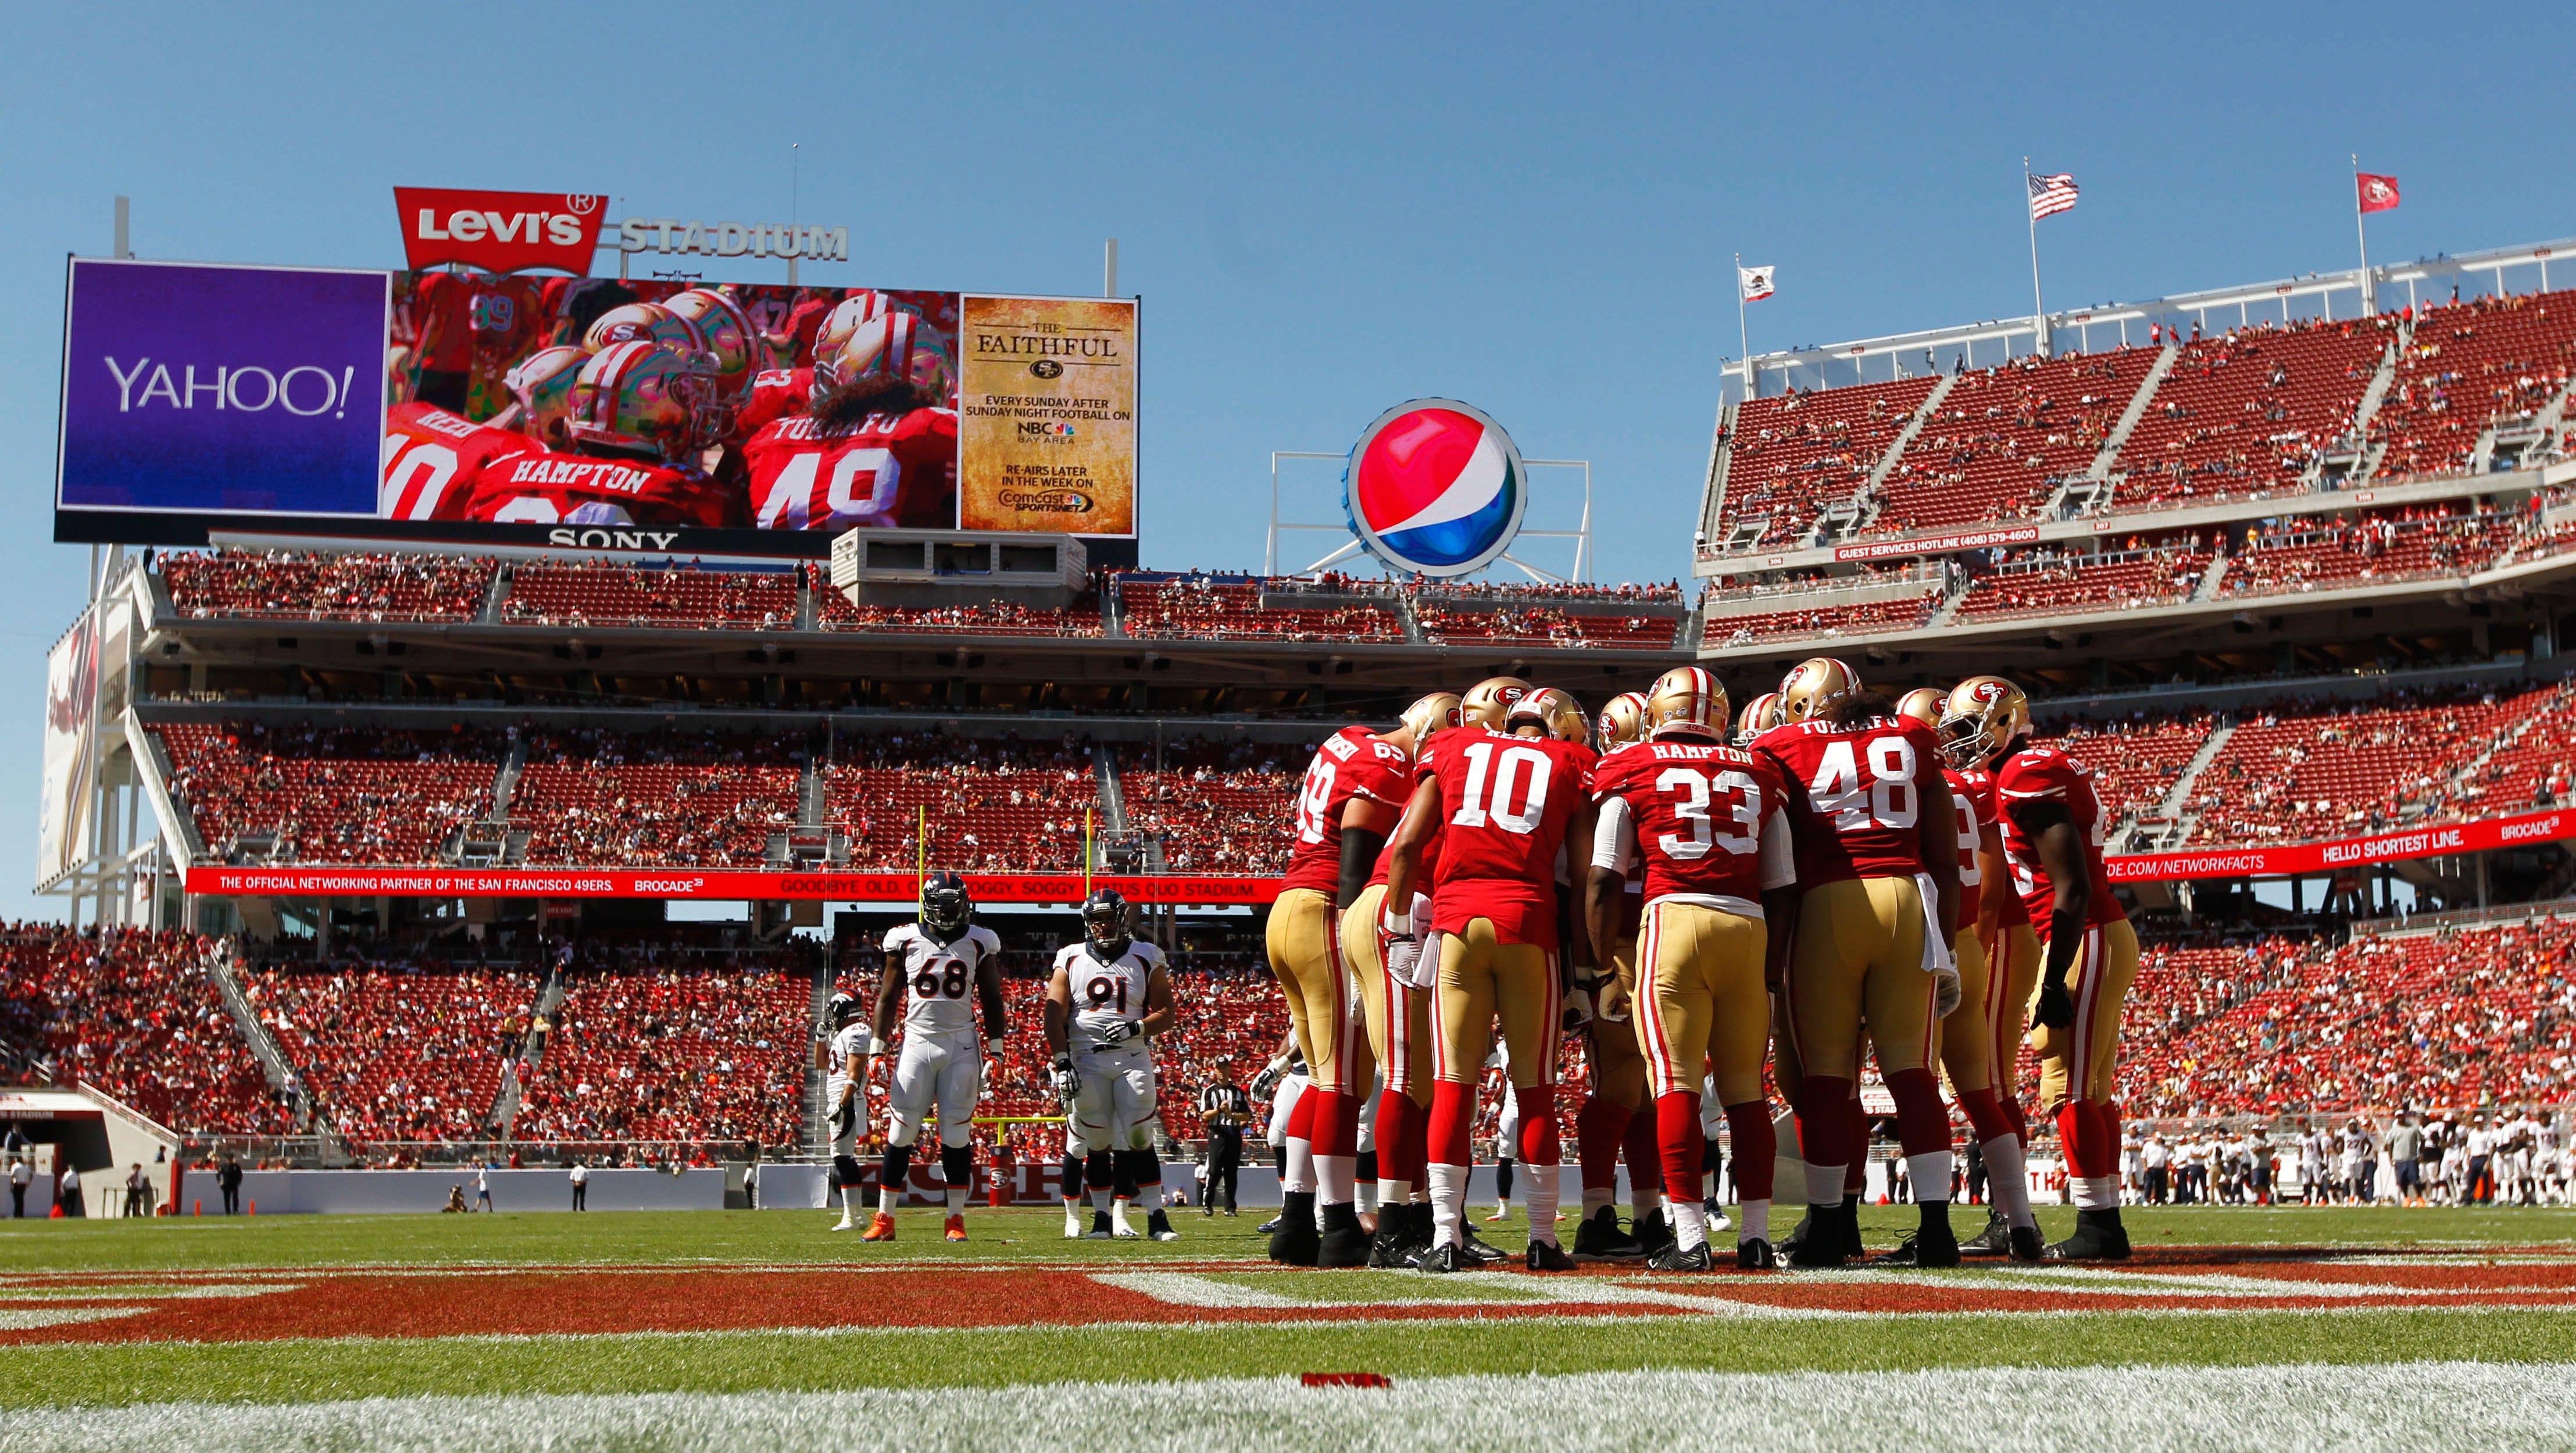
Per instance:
{"type": "Point", "coordinates": [1337, 1123]}
{"type": "Point", "coordinates": [1922, 1125]}
{"type": "Point", "coordinates": [1538, 1125]}
{"type": "Point", "coordinates": [1985, 1115]}
{"type": "Point", "coordinates": [1453, 1111]}
{"type": "Point", "coordinates": [1678, 1144]}
{"type": "Point", "coordinates": [1757, 1150]}
{"type": "Point", "coordinates": [1825, 1131]}
{"type": "Point", "coordinates": [1399, 1138]}
{"type": "Point", "coordinates": [1598, 1128]}
{"type": "Point", "coordinates": [1856, 1170]}
{"type": "Point", "coordinates": [1642, 1147]}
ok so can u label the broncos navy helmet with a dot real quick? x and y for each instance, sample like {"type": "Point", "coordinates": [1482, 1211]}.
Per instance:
{"type": "Point", "coordinates": [843, 1008]}
{"type": "Point", "coordinates": [947, 909]}
{"type": "Point", "coordinates": [1104, 922]}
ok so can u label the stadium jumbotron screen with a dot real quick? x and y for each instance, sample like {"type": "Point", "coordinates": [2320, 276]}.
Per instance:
{"type": "Point", "coordinates": [460, 406]}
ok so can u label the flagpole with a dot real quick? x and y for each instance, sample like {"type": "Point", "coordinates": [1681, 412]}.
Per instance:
{"type": "Point", "coordinates": [2369, 303]}
{"type": "Point", "coordinates": [2038, 310]}
{"type": "Point", "coordinates": [1743, 339]}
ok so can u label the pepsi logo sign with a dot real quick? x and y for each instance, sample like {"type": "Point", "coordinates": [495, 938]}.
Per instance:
{"type": "Point", "coordinates": [1435, 487]}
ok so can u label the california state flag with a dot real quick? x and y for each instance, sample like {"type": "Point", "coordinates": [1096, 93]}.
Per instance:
{"type": "Point", "coordinates": [1756, 282]}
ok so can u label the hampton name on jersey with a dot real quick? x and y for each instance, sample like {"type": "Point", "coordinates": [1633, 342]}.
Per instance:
{"type": "Point", "coordinates": [939, 978]}
{"type": "Point", "coordinates": [433, 457]}
{"type": "Point", "coordinates": [1352, 762]}
{"type": "Point", "coordinates": [887, 469]}
{"type": "Point", "coordinates": [2047, 774]}
{"type": "Point", "coordinates": [1860, 793]}
{"type": "Point", "coordinates": [1108, 993]}
{"type": "Point", "coordinates": [1710, 821]}
{"type": "Point", "coordinates": [546, 488]}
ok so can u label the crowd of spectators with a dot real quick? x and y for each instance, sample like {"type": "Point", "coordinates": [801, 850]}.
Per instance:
{"type": "Point", "coordinates": [1792, 457]}
{"type": "Point", "coordinates": [665, 798]}
{"type": "Point", "coordinates": [2052, 579]}
{"type": "Point", "coordinates": [618, 593]}
{"type": "Point", "coordinates": [990, 804]}
{"type": "Point", "coordinates": [314, 793]}
{"type": "Point", "coordinates": [1540, 625]}
{"type": "Point", "coordinates": [135, 1013]}
{"type": "Point", "coordinates": [293, 585]}
{"type": "Point", "coordinates": [2336, 551]}
{"type": "Point", "coordinates": [401, 1052]}
{"type": "Point", "coordinates": [2005, 436]}
{"type": "Point", "coordinates": [1203, 607]}
{"type": "Point", "coordinates": [2467, 366]}
{"type": "Point", "coordinates": [2247, 413]}
{"type": "Point", "coordinates": [1216, 806]}
{"type": "Point", "coordinates": [834, 612]}
{"type": "Point", "coordinates": [673, 1052]}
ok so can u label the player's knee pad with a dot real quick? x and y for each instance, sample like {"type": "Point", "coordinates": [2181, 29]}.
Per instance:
{"type": "Point", "coordinates": [957, 1165]}
{"type": "Point", "coordinates": [845, 1170]}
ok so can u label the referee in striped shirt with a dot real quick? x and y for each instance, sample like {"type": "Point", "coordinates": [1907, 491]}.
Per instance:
{"type": "Point", "coordinates": [1223, 1108]}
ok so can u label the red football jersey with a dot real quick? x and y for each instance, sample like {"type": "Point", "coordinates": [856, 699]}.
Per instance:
{"type": "Point", "coordinates": [1857, 795]}
{"type": "Point", "coordinates": [1505, 804]}
{"type": "Point", "coordinates": [1699, 809]}
{"type": "Point", "coordinates": [2034, 773]}
{"type": "Point", "coordinates": [2008, 909]}
{"type": "Point", "coordinates": [545, 488]}
{"type": "Point", "coordinates": [441, 311]}
{"type": "Point", "coordinates": [776, 393]}
{"type": "Point", "coordinates": [1352, 762]}
{"type": "Point", "coordinates": [1427, 872]}
{"type": "Point", "coordinates": [1975, 805]}
{"type": "Point", "coordinates": [432, 458]}
{"type": "Point", "coordinates": [889, 469]}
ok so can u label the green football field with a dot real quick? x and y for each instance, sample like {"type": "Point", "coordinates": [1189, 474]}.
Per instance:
{"type": "Point", "coordinates": [768, 1329]}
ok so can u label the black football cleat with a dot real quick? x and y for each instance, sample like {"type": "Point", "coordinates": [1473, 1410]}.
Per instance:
{"type": "Point", "coordinates": [1294, 1242]}
{"type": "Point", "coordinates": [1341, 1242]}
{"type": "Point", "coordinates": [1100, 1227]}
{"type": "Point", "coordinates": [1445, 1258]}
{"type": "Point", "coordinates": [1817, 1244]}
{"type": "Point", "coordinates": [1850, 1221]}
{"type": "Point", "coordinates": [1674, 1258]}
{"type": "Point", "coordinates": [2025, 1244]}
{"type": "Point", "coordinates": [1388, 1247]}
{"type": "Point", "coordinates": [1931, 1245]}
{"type": "Point", "coordinates": [1477, 1248]}
{"type": "Point", "coordinates": [1995, 1239]}
{"type": "Point", "coordinates": [1799, 1233]}
{"type": "Point", "coordinates": [1548, 1256]}
{"type": "Point", "coordinates": [1159, 1226]}
{"type": "Point", "coordinates": [1755, 1254]}
{"type": "Point", "coordinates": [2098, 1237]}
{"type": "Point", "coordinates": [1600, 1239]}
{"type": "Point", "coordinates": [1653, 1231]}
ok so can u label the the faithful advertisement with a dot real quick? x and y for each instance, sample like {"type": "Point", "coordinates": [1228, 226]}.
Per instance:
{"type": "Point", "coordinates": [1047, 432]}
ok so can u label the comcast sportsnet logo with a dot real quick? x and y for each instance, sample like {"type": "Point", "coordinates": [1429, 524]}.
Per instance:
{"type": "Point", "coordinates": [1435, 487]}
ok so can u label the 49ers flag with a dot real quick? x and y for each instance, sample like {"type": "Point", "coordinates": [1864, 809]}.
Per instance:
{"type": "Point", "coordinates": [2377, 194]}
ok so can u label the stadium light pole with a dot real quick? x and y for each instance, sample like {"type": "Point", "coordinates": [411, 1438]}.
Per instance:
{"type": "Point", "coordinates": [1109, 269]}
{"type": "Point", "coordinates": [124, 215]}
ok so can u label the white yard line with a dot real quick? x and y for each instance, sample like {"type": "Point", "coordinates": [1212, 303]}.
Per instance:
{"type": "Point", "coordinates": [2479, 1405]}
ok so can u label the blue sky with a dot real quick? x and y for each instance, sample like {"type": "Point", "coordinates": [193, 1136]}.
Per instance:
{"type": "Point", "coordinates": [1326, 209]}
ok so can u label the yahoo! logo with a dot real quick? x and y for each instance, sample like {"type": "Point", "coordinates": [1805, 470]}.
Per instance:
{"type": "Point", "coordinates": [306, 390]}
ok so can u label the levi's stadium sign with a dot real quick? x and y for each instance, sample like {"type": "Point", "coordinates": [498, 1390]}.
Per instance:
{"type": "Point", "coordinates": [1435, 488]}
{"type": "Point", "coordinates": [500, 232]}
{"type": "Point", "coordinates": [2517, 830]}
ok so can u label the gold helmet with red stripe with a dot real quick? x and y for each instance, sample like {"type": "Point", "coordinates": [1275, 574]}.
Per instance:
{"type": "Point", "coordinates": [728, 333]}
{"type": "Point", "coordinates": [1555, 712]}
{"type": "Point", "coordinates": [1983, 715]}
{"type": "Point", "coordinates": [1924, 704]}
{"type": "Point", "coordinates": [1760, 715]}
{"type": "Point", "coordinates": [894, 351]}
{"type": "Point", "coordinates": [1813, 686]}
{"type": "Point", "coordinates": [1622, 720]}
{"type": "Point", "coordinates": [651, 322]}
{"type": "Point", "coordinates": [542, 385]}
{"type": "Point", "coordinates": [1687, 699]}
{"type": "Point", "coordinates": [1430, 714]}
{"type": "Point", "coordinates": [643, 398]}
{"type": "Point", "coordinates": [1488, 700]}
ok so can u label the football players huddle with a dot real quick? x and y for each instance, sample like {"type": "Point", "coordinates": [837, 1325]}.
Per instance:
{"type": "Point", "coordinates": [715, 407]}
{"type": "Point", "coordinates": [1703, 901]}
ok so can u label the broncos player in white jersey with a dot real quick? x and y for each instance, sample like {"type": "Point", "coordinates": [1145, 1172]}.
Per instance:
{"type": "Point", "coordinates": [1109, 995]}
{"type": "Point", "coordinates": [845, 1043]}
{"type": "Point", "coordinates": [937, 960]}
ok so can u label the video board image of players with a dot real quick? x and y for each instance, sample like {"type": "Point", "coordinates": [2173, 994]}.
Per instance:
{"type": "Point", "coordinates": [600, 401]}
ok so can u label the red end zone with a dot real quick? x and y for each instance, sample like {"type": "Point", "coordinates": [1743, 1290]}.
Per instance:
{"type": "Point", "coordinates": [590, 1301]}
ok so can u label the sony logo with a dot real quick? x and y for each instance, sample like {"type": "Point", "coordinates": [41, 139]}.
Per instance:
{"type": "Point", "coordinates": [613, 539]}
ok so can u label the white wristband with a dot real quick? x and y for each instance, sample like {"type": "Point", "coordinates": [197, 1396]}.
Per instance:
{"type": "Point", "coordinates": [1399, 924]}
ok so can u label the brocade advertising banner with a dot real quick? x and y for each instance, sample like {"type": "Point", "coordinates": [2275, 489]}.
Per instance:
{"type": "Point", "coordinates": [2517, 830]}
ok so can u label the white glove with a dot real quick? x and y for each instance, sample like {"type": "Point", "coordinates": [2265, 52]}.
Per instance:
{"type": "Point", "coordinates": [1946, 993]}
{"type": "Point", "coordinates": [1067, 1083]}
{"type": "Point", "coordinates": [1403, 960]}
{"type": "Point", "coordinates": [1120, 1032]}
{"type": "Point", "coordinates": [1268, 1080]}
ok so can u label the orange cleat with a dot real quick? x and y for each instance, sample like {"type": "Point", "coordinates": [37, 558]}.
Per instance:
{"type": "Point", "coordinates": [880, 1229]}
{"type": "Point", "coordinates": [956, 1228]}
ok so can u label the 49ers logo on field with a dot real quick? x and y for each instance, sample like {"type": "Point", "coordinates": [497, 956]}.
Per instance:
{"type": "Point", "coordinates": [498, 231]}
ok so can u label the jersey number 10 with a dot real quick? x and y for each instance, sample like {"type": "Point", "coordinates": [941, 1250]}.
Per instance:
{"type": "Point", "coordinates": [1481, 806]}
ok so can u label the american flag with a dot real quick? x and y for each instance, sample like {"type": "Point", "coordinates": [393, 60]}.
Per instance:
{"type": "Point", "coordinates": [2051, 195]}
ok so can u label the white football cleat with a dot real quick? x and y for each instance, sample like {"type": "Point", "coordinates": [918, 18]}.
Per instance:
{"type": "Point", "coordinates": [1073, 1227]}
{"type": "Point", "coordinates": [846, 1224]}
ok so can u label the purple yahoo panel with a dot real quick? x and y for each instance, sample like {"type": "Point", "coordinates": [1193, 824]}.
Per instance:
{"type": "Point", "coordinates": [196, 389]}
